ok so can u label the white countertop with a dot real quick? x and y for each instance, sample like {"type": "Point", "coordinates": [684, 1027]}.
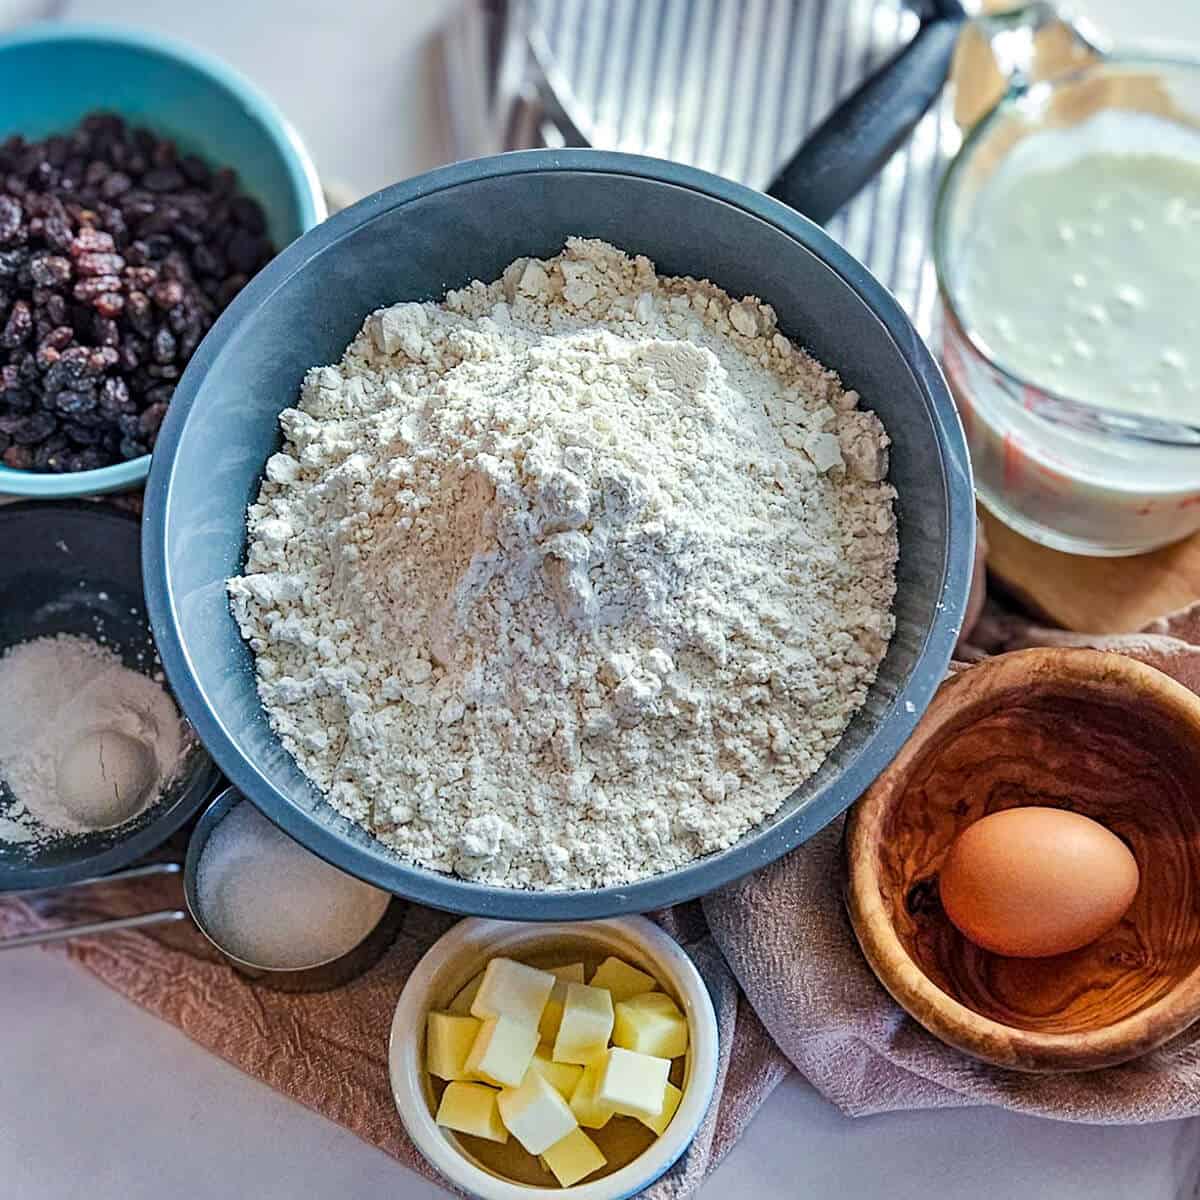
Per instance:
{"type": "Point", "coordinates": [100, 1100]}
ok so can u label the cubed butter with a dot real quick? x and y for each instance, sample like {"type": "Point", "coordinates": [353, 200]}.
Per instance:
{"type": "Point", "coordinates": [589, 1112]}
{"type": "Point", "coordinates": [621, 980]}
{"type": "Point", "coordinates": [511, 989]}
{"type": "Point", "coordinates": [573, 1158]}
{"type": "Point", "coordinates": [586, 1026]}
{"type": "Point", "coordinates": [562, 1076]}
{"type": "Point", "coordinates": [535, 1114]}
{"type": "Point", "coordinates": [461, 1004]}
{"type": "Point", "coordinates": [448, 1041]}
{"type": "Point", "coordinates": [502, 1051]}
{"type": "Point", "coordinates": [633, 1084]}
{"type": "Point", "coordinates": [670, 1104]}
{"type": "Point", "coordinates": [552, 1013]}
{"type": "Point", "coordinates": [472, 1108]}
{"type": "Point", "coordinates": [650, 1024]}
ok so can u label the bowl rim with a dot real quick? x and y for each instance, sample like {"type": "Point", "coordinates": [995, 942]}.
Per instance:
{"type": "Point", "coordinates": [302, 177]}
{"type": "Point", "coordinates": [151, 835]}
{"type": "Point", "coordinates": [472, 937]}
{"type": "Point", "coordinates": [374, 863]}
{"type": "Point", "coordinates": [940, 1013]}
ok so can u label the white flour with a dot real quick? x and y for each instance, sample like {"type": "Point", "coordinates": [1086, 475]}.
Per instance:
{"type": "Point", "coordinates": [85, 743]}
{"type": "Point", "coordinates": [571, 579]}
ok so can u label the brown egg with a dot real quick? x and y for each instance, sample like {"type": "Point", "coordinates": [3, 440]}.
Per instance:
{"type": "Point", "coordinates": [1031, 882]}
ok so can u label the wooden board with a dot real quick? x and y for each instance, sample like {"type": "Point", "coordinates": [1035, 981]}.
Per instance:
{"type": "Point", "coordinates": [1093, 595]}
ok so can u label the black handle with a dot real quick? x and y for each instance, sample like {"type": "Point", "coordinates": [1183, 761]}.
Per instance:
{"type": "Point", "coordinates": [861, 134]}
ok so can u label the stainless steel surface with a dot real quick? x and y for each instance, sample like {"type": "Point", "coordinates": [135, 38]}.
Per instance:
{"type": "Point", "coordinates": [90, 928]}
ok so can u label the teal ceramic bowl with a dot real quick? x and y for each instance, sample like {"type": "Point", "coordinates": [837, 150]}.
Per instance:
{"type": "Point", "coordinates": [54, 74]}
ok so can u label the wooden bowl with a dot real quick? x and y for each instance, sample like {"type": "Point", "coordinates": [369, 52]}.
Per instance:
{"type": "Point", "coordinates": [1098, 734]}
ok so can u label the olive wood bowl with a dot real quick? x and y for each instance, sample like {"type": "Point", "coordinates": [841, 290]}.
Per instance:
{"type": "Point", "coordinates": [1094, 733]}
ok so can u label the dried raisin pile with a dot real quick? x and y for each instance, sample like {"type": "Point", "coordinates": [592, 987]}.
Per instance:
{"type": "Point", "coordinates": [117, 253]}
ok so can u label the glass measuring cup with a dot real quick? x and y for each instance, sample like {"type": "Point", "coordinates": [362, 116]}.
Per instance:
{"type": "Point", "coordinates": [1054, 464]}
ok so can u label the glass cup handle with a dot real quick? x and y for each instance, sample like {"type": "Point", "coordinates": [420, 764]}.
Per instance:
{"type": "Point", "coordinates": [1001, 53]}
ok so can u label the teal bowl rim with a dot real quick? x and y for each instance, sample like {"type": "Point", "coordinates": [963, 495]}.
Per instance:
{"type": "Point", "coordinates": [302, 175]}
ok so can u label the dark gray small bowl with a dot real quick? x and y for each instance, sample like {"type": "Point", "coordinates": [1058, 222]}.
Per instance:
{"type": "Point", "coordinates": [469, 221]}
{"type": "Point", "coordinates": [75, 567]}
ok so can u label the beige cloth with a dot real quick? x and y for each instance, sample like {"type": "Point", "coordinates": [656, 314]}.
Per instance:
{"type": "Point", "coordinates": [785, 933]}
{"type": "Point", "coordinates": [329, 1050]}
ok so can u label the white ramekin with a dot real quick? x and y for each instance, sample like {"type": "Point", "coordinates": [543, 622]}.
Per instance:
{"type": "Point", "coordinates": [459, 955]}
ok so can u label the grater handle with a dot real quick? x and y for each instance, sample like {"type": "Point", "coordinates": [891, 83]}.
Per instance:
{"type": "Point", "coordinates": [851, 145]}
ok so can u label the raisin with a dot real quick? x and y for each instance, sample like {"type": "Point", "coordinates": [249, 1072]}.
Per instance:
{"type": "Point", "coordinates": [96, 263]}
{"type": "Point", "coordinates": [139, 312]}
{"type": "Point", "coordinates": [10, 219]}
{"type": "Point", "coordinates": [208, 261]}
{"type": "Point", "coordinates": [18, 401]}
{"type": "Point", "coordinates": [86, 460]}
{"type": "Point", "coordinates": [18, 326]}
{"type": "Point", "coordinates": [59, 337]}
{"type": "Point", "coordinates": [89, 240]}
{"type": "Point", "coordinates": [34, 428]}
{"type": "Point", "coordinates": [115, 185]}
{"type": "Point", "coordinates": [141, 279]}
{"type": "Point", "coordinates": [167, 294]}
{"type": "Point", "coordinates": [164, 346]}
{"type": "Point", "coordinates": [56, 233]}
{"type": "Point", "coordinates": [157, 246]}
{"type": "Point", "coordinates": [71, 404]}
{"type": "Point", "coordinates": [163, 179]}
{"type": "Point", "coordinates": [89, 289]}
{"type": "Point", "coordinates": [105, 329]}
{"type": "Point", "coordinates": [244, 251]}
{"type": "Point", "coordinates": [50, 270]}
{"type": "Point", "coordinates": [196, 170]}
{"type": "Point", "coordinates": [50, 456]}
{"type": "Point", "coordinates": [188, 234]}
{"type": "Point", "coordinates": [11, 262]}
{"type": "Point", "coordinates": [109, 304]}
{"type": "Point", "coordinates": [114, 396]}
{"type": "Point", "coordinates": [160, 394]}
{"type": "Point", "coordinates": [152, 418]}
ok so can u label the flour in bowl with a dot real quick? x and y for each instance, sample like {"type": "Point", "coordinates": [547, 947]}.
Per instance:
{"type": "Point", "coordinates": [572, 578]}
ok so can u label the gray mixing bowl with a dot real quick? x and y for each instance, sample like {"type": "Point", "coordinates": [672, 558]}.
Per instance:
{"type": "Point", "coordinates": [468, 221]}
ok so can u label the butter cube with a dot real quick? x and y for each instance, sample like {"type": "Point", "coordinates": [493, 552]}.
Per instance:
{"type": "Point", "coordinates": [670, 1104]}
{"type": "Point", "coordinates": [573, 1158]}
{"type": "Point", "coordinates": [561, 1076]}
{"type": "Point", "coordinates": [586, 1025]}
{"type": "Point", "coordinates": [633, 1084]}
{"type": "Point", "coordinates": [535, 1114]}
{"type": "Point", "coordinates": [448, 1041]}
{"type": "Point", "coordinates": [552, 1013]}
{"type": "Point", "coordinates": [511, 989]}
{"type": "Point", "coordinates": [588, 1111]}
{"type": "Point", "coordinates": [621, 980]}
{"type": "Point", "coordinates": [502, 1051]}
{"type": "Point", "coordinates": [472, 1108]}
{"type": "Point", "coordinates": [461, 1004]}
{"type": "Point", "coordinates": [650, 1024]}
